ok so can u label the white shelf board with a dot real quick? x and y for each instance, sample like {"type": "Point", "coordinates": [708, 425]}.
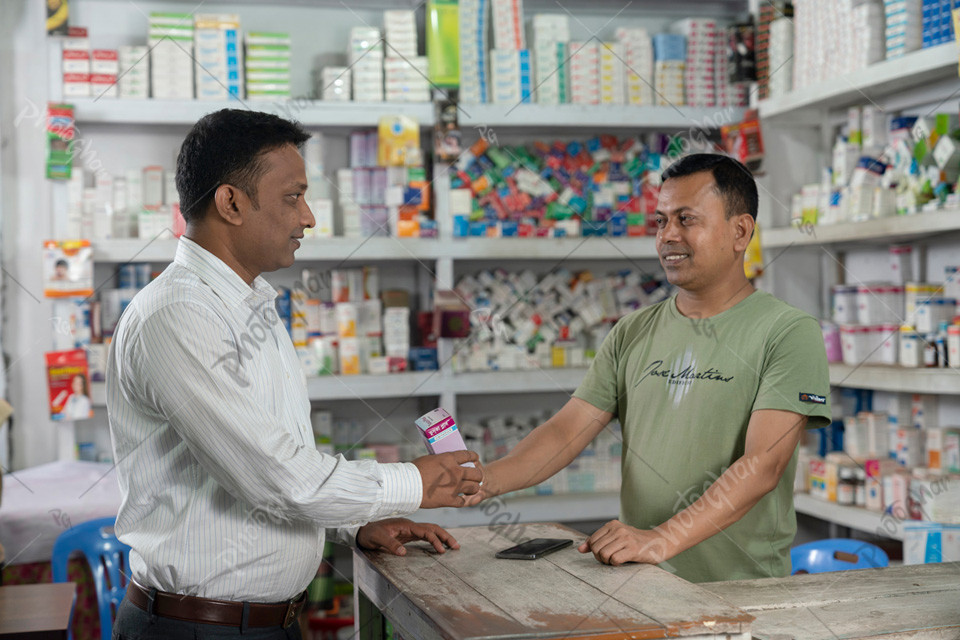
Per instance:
{"type": "Point", "coordinates": [381, 248]}
{"type": "Point", "coordinates": [854, 517]}
{"type": "Point", "coordinates": [413, 384]}
{"type": "Point", "coordinates": [310, 113]}
{"type": "Point", "coordinates": [567, 507]}
{"type": "Point", "coordinates": [894, 229]}
{"type": "Point", "coordinates": [873, 83]}
{"type": "Point", "coordinates": [903, 379]}
{"type": "Point", "coordinates": [418, 384]}
{"type": "Point", "coordinates": [528, 381]}
{"type": "Point", "coordinates": [592, 117]}
{"type": "Point", "coordinates": [584, 248]}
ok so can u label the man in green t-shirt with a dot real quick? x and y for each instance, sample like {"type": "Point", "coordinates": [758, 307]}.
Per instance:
{"type": "Point", "coordinates": [713, 389]}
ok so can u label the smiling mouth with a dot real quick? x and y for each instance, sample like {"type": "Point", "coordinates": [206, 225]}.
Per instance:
{"type": "Point", "coordinates": [674, 258]}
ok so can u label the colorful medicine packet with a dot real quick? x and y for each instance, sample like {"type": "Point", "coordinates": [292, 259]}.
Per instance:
{"type": "Point", "coordinates": [440, 433]}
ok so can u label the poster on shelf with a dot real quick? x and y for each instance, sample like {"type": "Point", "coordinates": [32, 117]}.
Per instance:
{"type": "Point", "coordinates": [68, 385]}
{"type": "Point", "coordinates": [67, 268]}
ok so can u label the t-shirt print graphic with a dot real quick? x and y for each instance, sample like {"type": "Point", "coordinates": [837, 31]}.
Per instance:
{"type": "Point", "coordinates": [679, 385]}
{"type": "Point", "coordinates": [680, 376]}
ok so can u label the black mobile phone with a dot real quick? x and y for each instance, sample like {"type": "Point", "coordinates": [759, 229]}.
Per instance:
{"type": "Point", "coordinates": [533, 549]}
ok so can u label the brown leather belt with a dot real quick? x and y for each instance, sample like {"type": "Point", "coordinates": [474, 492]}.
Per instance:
{"type": "Point", "coordinates": [222, 612]}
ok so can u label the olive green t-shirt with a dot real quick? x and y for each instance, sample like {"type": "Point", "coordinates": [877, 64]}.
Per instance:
{"type": "Point", "coordinates": [683, 390]}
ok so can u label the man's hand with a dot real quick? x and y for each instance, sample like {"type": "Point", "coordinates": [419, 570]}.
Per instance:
{"type": "Point", "coordinates": [616, 543]}
{"type": "Point", "coordinates": [444, 480]}
{"type": "Point", "coordinates": [390, 535]}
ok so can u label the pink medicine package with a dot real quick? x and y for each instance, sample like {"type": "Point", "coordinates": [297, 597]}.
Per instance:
{"type": "Point", "coordinates": [440, 433]}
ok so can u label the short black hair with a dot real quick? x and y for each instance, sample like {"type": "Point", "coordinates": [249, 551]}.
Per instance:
{"type": "Point", "coordinates": [735, 183]}
{"type": "Point", "coordinates": [227, 147]}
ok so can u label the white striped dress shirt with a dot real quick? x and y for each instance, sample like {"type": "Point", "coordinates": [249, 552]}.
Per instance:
{"type": "Point", "coordinates": [224, 494]}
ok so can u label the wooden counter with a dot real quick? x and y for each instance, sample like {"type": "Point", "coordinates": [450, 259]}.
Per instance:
{"type": "Point", "coordinates": [897, 603]}
{"type": "Point", "coordinates": [36, 611]}
{"type": "Point", "coordinates": [469, 594]}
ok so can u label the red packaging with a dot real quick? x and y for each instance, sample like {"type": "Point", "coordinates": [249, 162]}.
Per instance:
{"type": "Point", "coordinates": [68, 384]}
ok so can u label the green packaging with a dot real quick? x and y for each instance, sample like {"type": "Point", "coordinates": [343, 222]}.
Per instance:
{"type": "Point", "coordinates": [443, 43]}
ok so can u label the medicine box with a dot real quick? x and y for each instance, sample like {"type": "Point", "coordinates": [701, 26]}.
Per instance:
{"type": "Point", "coordinates": [439, 432]}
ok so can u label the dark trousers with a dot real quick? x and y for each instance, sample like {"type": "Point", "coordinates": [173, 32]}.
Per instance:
{"type": "Point", "coordinates": [133, 623]}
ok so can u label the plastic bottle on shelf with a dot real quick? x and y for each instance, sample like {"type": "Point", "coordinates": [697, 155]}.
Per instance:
{"type": "Point", "coordinates": [860, 489]}
{"type": "Point", "coordinates": [847, 487]}
{"type": "Point", "coordinates": [930, 350]}
{"type": "Point", "coordinates": [942, 345]}
{"type": "Point", "coordinates": [910, 347]}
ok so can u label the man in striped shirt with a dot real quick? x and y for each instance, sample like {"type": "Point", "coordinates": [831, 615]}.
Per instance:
{"type": "Point", "coordinates": [226, 501]}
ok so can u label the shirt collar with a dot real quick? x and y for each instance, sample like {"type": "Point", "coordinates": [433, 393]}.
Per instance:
{"type": "Point", "coordinates": [224, 281]}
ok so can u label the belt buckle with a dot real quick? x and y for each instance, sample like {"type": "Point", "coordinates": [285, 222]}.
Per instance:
{"type": "Point", "coordinates": [291, 615]}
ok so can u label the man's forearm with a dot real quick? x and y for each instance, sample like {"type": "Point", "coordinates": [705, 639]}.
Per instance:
{"type": "Point", "coordinates": [727, 500]}
{"type": "Point", "coordinates": [549, 448]}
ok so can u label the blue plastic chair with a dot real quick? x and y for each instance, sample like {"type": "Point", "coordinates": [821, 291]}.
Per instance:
{"type": "Point", "coordinates": [837, 554]}
{"type": "Point", "coordinates": [109, 563]}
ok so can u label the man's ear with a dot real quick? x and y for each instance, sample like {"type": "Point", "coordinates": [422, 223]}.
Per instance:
{"type": "Point", "coordinates": [231, 203]}
{"type": "Point", "coordinates": [744, 224]}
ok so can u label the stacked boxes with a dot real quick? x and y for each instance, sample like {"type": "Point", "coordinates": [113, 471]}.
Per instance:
{"type": "Point", "coordinates": [76, 65]}
{"type": "Point", "coordinates": [510, 76]}
{"type": "Point", "coordinates": [905, 20]}
{"type": "Point", "coordinates": [404, 71]}
{"type": "Point", "coordinates": [937, 22]}
{"type": "Point", "coordinates": [508, 25]}
{"type": "Point", "coordinates": [104, 69]}
{"type": "Point", "coordinates": [769, 11]}
{"type": "Point", "coordinates": [868, 31]}
{"type": "Point", "coordinates": [550, 35]}
{"type": "Point", "coordinates": [613, 73]}
{"type": "Point", "coordinates": [669, 51]}
{"type": "Point", "coordinates": [780, 56]}
{"type": "Point", "coordinates": [365, 58]}
{"type": "Point", "coordinates": [406, 79]}
{"type": "Point", "coordinates": [335, 84]}
{"type": "Point", "coordinates": [638, 48]}
{"type": "Point", "coordinates": [171, 56]}
{"type": "Point", "coordinates": [584, 61]}
{"type": "Point", "coordinates": [473, 16]}
{"type": "Point", "coordinates": [401, 33]}
{"type": "Point", "coordinates": [701, 71]}
{"type": "Point", "coordinates": [134, 64]}
{"type": "Point", "coordinates": [267, 65]}
{"type": "Point", "coordinates": [219, 65]}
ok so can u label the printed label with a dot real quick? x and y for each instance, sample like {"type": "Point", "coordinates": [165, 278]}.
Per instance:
{"type": "Point", "coordinates": [812, 398]}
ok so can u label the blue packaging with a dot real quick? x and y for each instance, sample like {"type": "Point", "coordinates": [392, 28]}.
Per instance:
{"type": "Point", "coordinates": [423, 359]}
{"type": "Point", "coordinates": [461, 226]}
{"type": "Point", "coordinates": [127, 276]}
{"type": "Point", "coordinates": [669, 46]}
{"type": "Point", "coordinates": [618, 224]}
{"type": "Point", "coordinates": [509, 228]}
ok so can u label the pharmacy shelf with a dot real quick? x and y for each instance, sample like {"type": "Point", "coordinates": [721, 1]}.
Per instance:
{"type": "Point", "coordinates": [874, 83]}
{"type": "Point", "coordinates": [593, 117]}
{"type": "Point", "coordinates": [378, 248]}
{"type": "Point", "coordinates": [569, 507]}
{"type": "Point", "coordinates": [583, 248]}
{"type": "Point", "coordinates": [421, 384]}
{"type": "Point", "coordinates": [321, 249]}
{"type": "Point", "coordinates": [527, 381]}
{"type": "Point", "coordinates": [414, 384]}
{"type": "Point", "coordinates": [879, 230]}
{"type": "Point", "coordinates": [854, 517]}
{"type": "Point", "coordinates": [896, 379]}
{"type": "Point", "coordinates": [310, 113]}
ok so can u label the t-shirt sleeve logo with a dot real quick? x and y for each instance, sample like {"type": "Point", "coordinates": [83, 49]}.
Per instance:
{"type": "Point", "coordinates": [812, 398]}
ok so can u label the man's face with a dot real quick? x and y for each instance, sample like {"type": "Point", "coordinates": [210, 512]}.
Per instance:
{"type": "Point", "coordinates": [273, 230]}
{"type": "Point", "coordinates": [696, 242]}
